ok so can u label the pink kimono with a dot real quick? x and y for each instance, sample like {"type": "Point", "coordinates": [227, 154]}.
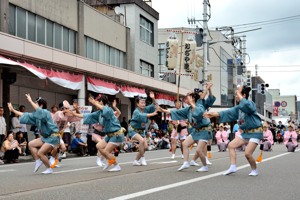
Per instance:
{"type": "Point", "coordinates": [290, 140]}
{"type": "Point", "coordinates": [221, 137]}
{"type": "Point", "coordinates": [267, 140]}
{"type": "Point", "coordinates": [222, 140]}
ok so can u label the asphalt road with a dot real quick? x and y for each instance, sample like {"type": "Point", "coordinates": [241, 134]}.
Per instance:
{"type": "Point", "coordinates": [80, 178]}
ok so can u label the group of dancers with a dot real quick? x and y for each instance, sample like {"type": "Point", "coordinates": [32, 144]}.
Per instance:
{"type": "Point", "coordinates": [193, 121]}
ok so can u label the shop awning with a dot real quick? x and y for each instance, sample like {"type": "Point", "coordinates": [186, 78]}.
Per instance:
{"type": "Point", "coordinates": [64, 79]}
{"type": "Point", "coordinates": [164, 99]}
{"type": "Point", "coordinates": [129, 91]}
{"type": "Point", "coordinates": [100, 86]}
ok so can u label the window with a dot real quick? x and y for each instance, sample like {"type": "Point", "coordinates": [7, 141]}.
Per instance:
{"type": "Point", "coordinates": [161, 54]}
{"type": "Point", "coordinates": [102, 52]}
{"type": "Point", "coordinates": [146, 31]}
{"type": "Point", "coordinates": [227, 96]}
{"type": "Point", "coordinates": [40, 30]}
{"type": "Point", "coordinates": [57, 36]}
{"type": "Point", "coordinates": [90, 48]}
{"type": "Point", "coordinates": [122, 59]}
{"type": "Point", "coordinates": [66, 38]}
{"type": "Point", "coordinates": [106, 54]}
{"type": "Point", "coordinates": [117, 58]}
{"type": "Point", "coordinates": [112, 54]}
{"type": "Point", "coordinates": [33, 27]}
{"type": "Point", "coordinates": [146, 69]}
{"type": "Point", "coordinates": [49, 34]}
{"type": "Point", "coordinates": [99, 51]}
{"type": "Point", "coordinates": [12, 20]}
{"type": "Point", "coordinates": [96, 50]}
{"type": "Point", "coordinates": [72, 41]}
{"type": "Point", "coordinates": [21, 23]}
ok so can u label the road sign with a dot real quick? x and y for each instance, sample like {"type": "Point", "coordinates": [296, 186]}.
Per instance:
{"type": "Point", "coordinates": [277, 104]}
{"type": "Point", "coordinates": [275, 111]}
{"type": "Point", "coordinates": [284, 104]}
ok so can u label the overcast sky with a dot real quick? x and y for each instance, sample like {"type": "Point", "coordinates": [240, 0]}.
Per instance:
{"type": "Point", "coordinates": [274, 48]}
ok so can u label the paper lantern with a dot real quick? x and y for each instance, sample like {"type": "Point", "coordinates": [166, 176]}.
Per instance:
{"type": "Point", "coordinates": [189, 59]}
{"type": "Point", "coordinates": [171, 52]}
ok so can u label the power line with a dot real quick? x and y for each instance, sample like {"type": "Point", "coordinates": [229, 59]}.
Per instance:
{"type": "Point", "coordinates": [278, 20]}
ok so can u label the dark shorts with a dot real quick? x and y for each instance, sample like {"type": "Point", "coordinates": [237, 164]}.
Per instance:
{"type": "Point", "coordinates": [67, 138]}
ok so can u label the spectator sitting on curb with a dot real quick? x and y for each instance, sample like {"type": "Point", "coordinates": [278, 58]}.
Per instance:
{"type": "Point", "coordinates": [11, 149]}
{"type": "Point", "coordinates": [78, 146]}
{"type": "Point", "coordinates": [22, 142]}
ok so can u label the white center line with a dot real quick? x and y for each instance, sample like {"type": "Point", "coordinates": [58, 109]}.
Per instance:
{"type": "Point", "coordinates": [166, 187]}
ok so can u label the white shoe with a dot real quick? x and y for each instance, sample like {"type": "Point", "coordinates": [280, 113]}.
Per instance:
{"type": "Point", "coordinates": [115, 168]}
{"type": "Point", "coordinates": [143, 161]}
{"type": "Point", "coordinates": [64, 155]}
{"type": "Point", "coordinates": [136, 163]}
{"type": "Point", "coordinates": [208, 162]}
{"type": "Point", "coordinates": [185, 165]}
{"type": "Point", "coordinates": [173, 156]}
{"type": "Point", "coordinates": [193, 163]}
{"type": "Point", "coordinates": [48, 171]}
{"type": "Point", "coordinates": [231, 170]}
{"type": "Point", "coordinates": [203, 169]}
{"type": "Point", "coordinates": [253, 173]}
{"type": "Point", "coordinates": [51, 160]}
{"type": "Point", "coordinates": [38, 164]}
{"type": "Point", "coordinates": [182, 157]}
{"type": "Point", "coordinates": [57, 166]}
{"type": "Point", "coordinates": [99, 162]}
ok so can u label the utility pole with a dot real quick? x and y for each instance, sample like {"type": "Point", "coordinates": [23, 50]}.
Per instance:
{"type": "Point", "coordinates": [256, 68]}
{"type": "Point", "coordinates": [205, 44]}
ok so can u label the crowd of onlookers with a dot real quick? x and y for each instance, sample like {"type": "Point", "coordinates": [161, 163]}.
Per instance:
{"type": "Point", "coordinates": [14, 142]}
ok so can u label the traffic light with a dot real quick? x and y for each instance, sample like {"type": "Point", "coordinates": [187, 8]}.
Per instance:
{"type": "Point", "coordinates": [199, 37]}
{"type": "Point", "coordinates": [262, 88]}
{"type": "Point", "coordinates": [249, 83]}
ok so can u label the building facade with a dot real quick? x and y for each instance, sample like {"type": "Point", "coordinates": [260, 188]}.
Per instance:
{"type": "Point", "coordinates": [221, 70]}
{"type": "Point", "coordinates": [68, 49]}
{"type": "Point", "coordinates": [284, 106]}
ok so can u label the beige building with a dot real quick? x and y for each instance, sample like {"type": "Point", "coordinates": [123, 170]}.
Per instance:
{"type": "Point", "coordinates": [284, 106]}
{"type": "Point", "coordinates": [68, 49]}
{"type": "Point", "coordinates": [221, 67]}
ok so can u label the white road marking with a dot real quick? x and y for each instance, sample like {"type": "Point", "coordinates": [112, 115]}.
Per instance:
{"type": "Point", "coordinates": [166, 187]}
{"type": "Point", "coordinates": [7, 170]}
{"type": "Point", "coordinates": [167, 162]}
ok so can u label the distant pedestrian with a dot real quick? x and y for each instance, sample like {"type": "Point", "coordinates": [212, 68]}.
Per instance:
{"type": "Point", "coordinates": [2, 126]}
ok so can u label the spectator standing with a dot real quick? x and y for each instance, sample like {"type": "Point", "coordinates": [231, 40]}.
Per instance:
{"type": "Point", "coordinates": [2, 126]}
{"type": "Point", "coordinates": [78, 146]}
{"type": "Point", "coordinates": [54, 109]}
{"type": "Point", "coordinates": [280, 126]}
{"type": "Point", "coordinates": [273, 130]}
{"type": "Point", "coordinates": [23, 130]}
{"type": "Point", "coordinates": [15, 123]}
